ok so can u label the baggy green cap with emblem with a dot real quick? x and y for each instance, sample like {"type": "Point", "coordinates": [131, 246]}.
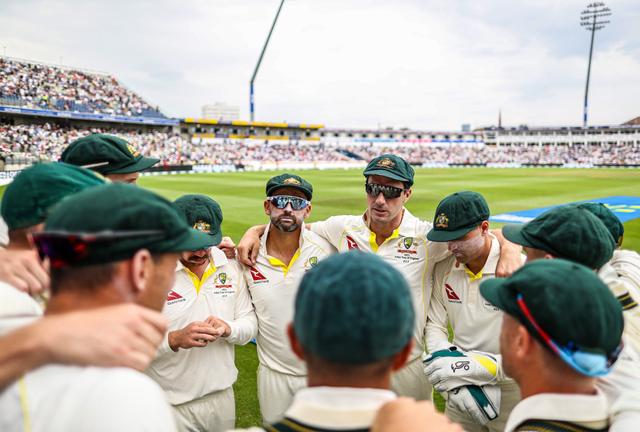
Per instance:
{"type": "Point", "coordinates": [202, 213]}
{"type": "Point", "coordinates": [457, 214]}
{"type": "Point", "coordinates": [391, 166]}
{"type": "Point", "coordinates": [117, 220]}
{"type": "Point", "coordinates": [567, 300]}
{"type": "Point", "coordinates": [608, 218]}
{"type": "Point", "coordinates": [287, 180]}
{"type": "Point", "coordinates": [30, 195]}
{"type": "Point", "coordinates": [106, 154]}
{"type": "Point", "coordinates": [353, 308]}
{"type": "Point", "coordinates": [566, 232]}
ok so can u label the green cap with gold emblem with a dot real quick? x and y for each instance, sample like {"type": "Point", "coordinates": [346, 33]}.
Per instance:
{"type": "Point", "coordinates": [106, 154]}
{"type": "Point", "coordinates": [457, 214]}
{"type": "Point", "coordinates": [287, 180]}
{"type": "Point", "coordinates": [391, 166]}
{"type": "Point", "coordinates": [202, 213]}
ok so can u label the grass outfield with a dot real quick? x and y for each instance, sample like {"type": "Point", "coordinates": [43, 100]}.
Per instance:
{"type": "Point", "coordinates": [341, 192]}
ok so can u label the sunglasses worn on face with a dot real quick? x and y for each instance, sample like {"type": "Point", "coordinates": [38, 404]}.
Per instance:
{"type": "Point", "coordinates": [587, 363]}
{"type": "Point", "coordinates": [281, 202]}
{"type": "Point", "coordinates": [65, 248]}
{"type": "Point", "coordinates": [389, 192]}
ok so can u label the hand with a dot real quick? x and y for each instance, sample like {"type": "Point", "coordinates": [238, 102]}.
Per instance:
{"type": "Point", "coordinates": [481, 403]}
{"type": "Point", "coordinates": [124, 335]}
{"type": "Point", "coordinates": [407, 415]}
{"type": "Point", "coordinates": [219, 325]}
{"type": "Point", "coordinates": [23, 270]}
{"type": "Point", "coordinates": [510, 255]}
{"type": "Point", "coordinates": [451, 368]}
{"type": "Point", "coordinates": [196, 335]}
{"type": "Point", "coordinates": [228, 247]}
{"type": "Point", "coordinates": [250, 245]}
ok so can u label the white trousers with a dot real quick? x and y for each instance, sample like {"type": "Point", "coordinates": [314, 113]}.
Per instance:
{"type": "Point", "coordinates": [509, 398]}
{"type": "Point", "coordinates": [213, 412]}
{"type": "Point", "coordinates": [411, 381]}
{"type": "Point", "coordinates": [275, 392]}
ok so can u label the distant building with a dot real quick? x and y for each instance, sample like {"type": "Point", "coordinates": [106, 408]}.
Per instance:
{"type": "Point", "coordinates": [220, 111]}
{"type": "Point", "coordinates": [466, 127]}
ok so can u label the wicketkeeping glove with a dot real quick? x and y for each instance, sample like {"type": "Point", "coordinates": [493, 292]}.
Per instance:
{"type": "Point", "coordinates": [481, 403]}
{"type": "Point", "coordinates": [451, 368]}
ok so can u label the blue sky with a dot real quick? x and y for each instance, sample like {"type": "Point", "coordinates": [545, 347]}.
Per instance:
{"type": "Point", "coordinates": [354, 63]}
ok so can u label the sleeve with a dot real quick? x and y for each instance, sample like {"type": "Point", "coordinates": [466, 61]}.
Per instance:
{"type": "Point", "coordinates": [437, 334]}
{"type": "Point", "coordinates": [330, 229]}
{"type": "Point", "coordinates": [244, 327]}
{"type": "Point", "coordinates": [437, 251]}
{"type": "Point", "coordinates": [164, 347]}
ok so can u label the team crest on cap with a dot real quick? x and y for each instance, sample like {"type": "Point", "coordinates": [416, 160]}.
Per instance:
{"type": "Point", "coordinates": [442, 221]}
{"type": "Point", "coordinates": [202, 226]}
{"type": "Point", "coordinates": [291, 181]}
{"type": "Point", "coordinates": [386, 163]}
{"type": "Point", "coordinates": [133, 151]}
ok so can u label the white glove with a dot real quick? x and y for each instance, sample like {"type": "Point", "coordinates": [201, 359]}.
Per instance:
{"type": "Point", "coordinates": [451, 368]}
{"type": "Point", "coordinates": [481, 403]}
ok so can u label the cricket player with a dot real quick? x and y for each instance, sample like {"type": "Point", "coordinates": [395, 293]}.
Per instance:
{"type": "Point", "coordinates": [467, 370]}
{"type": "Point", "coordinates": [109, 155]}
{"type": "Point", "coordinates": [390, 231]}
{"type": "Point", "coordinates": [127, 257]}
{"type": "Point", "coordinates": [287, 251]}
{"type": "Point", "coordinates": [562, 329]}
{"type": "Point", "coordinates": [209, 310]}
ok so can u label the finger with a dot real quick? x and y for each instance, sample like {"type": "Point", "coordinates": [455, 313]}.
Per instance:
{"type": "Point", "coordinates": [33, 286]}
{"type": "Point", "coordinates": [137, 360]}
{"type": "Point", "coordinates": [36, 268]}
{"type": "Point", "coordinates": [204, 337]}
{"type": "Point", "coordinates": [153, 318]}
{"type": "Point", "coordinates": [205, 329]}
{"type": "Point", "coordinates": [197, 343]}
{"type": "Point", "coordinates": [149, 334]}
{"type": "Point", "coordinates": [254, 255]}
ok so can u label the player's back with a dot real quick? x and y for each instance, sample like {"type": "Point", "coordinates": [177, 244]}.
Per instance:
{"type": "Point", "coordinates": [70, 398]}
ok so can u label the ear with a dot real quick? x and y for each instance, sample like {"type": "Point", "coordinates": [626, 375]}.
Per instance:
{"type": "Point", "coordinates": [267, 208]}
{"type": "Point", "coordinates": [400, 359]}
{"type": "Point", "coordinates": [484, 227]}
{"type": "Point", "coordinates": [140, 271]}
{"type": "Point", "coordinates": [407, 194]}
{"type": "Point", "coordinates": [522, 343]}
{"type": "Point", "coordinates": [296, 347]}
{"type": "Point", "coordinates": [307, 211]}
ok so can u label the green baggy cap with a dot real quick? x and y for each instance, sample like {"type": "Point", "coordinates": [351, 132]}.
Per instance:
{"type": "Point", "coordinates": [566, 232]}
{"type": "Point", "coordinates": [353, 308]}
{"type": "Point", "coordinates": [457, 214]}
{"type": "Point", "coordinates": [391, 166]}
{"type": "Point", "coordinates": [607, 217]}
{"type": "Point", "coordinates": [202, 213]}
{"type": "Point", "coordinates": [27, 199]}
{"type": "Point", "coordinates": [566, 299]}
{"type": "Point", "coordinates": [123, 219]}
{"type": "Point", "coordinates": [287, 180]}
{"type": "Point", "coordinates": [106, 154]}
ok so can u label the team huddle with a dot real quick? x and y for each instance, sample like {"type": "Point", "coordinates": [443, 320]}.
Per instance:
{"type": "Point", "coordinates": [119, 310]}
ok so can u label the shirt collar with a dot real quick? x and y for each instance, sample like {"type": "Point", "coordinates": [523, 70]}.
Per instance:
{"type": "Point", "coordinates": [338, 407]}
{"type": "Point", "coordinates": [588, 410]}
{"type": "Point", "coordinates": [490, 265]}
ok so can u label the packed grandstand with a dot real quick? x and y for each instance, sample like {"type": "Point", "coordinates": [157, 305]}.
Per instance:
{"type": "Point", "coordinates": [40, 108]}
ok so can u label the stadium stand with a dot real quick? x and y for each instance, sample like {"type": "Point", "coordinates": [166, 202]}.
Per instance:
{"type": "Point", "coordinates": [36, 85]}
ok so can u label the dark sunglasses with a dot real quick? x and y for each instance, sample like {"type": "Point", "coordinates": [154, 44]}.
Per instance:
{"type": "Point", "coordinates": [389, 192]}
{"type": "Point", "coordinates": [587, 363]}
{"type": "Point", "coordinates": [65, 248]}
{"type": "Point", "coordinates": [281, 202]}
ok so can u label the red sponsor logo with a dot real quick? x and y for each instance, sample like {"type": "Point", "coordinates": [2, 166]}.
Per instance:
{"type": "Point", "coordinates": [256, 275]}
{"type": "Point", "coordinates": [173, 296]}
{"type": "Point", "coordinates": [351, 243]}
{"type": "Point", "coordinates": [451, 294]}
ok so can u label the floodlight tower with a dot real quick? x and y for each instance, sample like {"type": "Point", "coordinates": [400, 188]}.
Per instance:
{"type": "Point", "coordinates": [255, 71]}
{"type": "Point", "coordinates": [592, 18]}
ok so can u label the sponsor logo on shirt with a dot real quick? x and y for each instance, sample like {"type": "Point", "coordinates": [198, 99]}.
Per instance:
{"type": "Point", "coordinates": [351, 243]}
{"type": "Point", "coordinates": [451, 294]}
{"type": "Point", "coordinates": [257, 276]}
{"type": "Point", "coordinates": [174, 297]}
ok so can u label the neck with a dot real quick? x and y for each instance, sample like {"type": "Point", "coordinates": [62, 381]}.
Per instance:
{"type": "Point", "coordinates": [69, 301]}
{"type": "Point", "coordinates": [198, 270]}
{"type": "Point", "coordinates": [533, 385]}
{"type": "Point", "coordinates": [338, 380]}
{"type": "Point", "coordinates": [384, 230]}
{"type": "Point", "coordinates": [19, 244]}
{"type": "Point", "coordinates": [283, 243]}
{"type": "Point", "coordinates": [477, 264]}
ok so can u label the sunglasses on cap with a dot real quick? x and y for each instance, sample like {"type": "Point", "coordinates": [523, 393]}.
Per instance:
{"type": "Point", "coordinates": [389, 192]}
{"type": "Point", "coordinates": [281, 202]}
{"type": "Point", "coordinates": [587, 363]}
{"type": "Point", "coordinates": [64, 248]}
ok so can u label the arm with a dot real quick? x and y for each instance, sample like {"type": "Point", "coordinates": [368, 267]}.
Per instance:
{"type": "Point", "coordinates": [82, 338]}
{"type": "Point", "coordinates": [250, 244]}
{"type": "Point", "coordinates": [437, 334]}
{"type": "Point", "coordinates": [510, 255]}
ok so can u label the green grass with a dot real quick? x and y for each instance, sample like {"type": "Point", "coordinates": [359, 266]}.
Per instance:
{"type": "Point", "coordinates": [341, 192]}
